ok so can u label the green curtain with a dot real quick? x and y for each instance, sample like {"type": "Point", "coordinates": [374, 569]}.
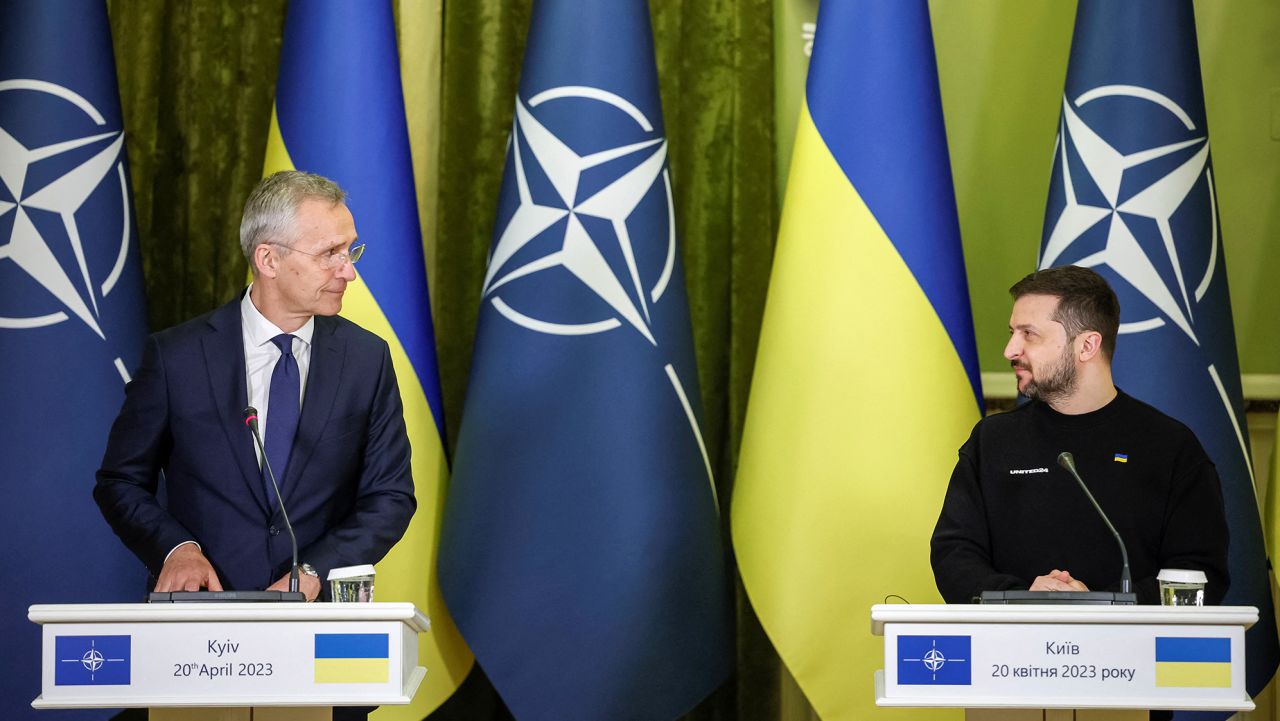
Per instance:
{"type": "Point", "coordinates": [197, 80]}
{"type": "Point", "coordinates": [196, 84]}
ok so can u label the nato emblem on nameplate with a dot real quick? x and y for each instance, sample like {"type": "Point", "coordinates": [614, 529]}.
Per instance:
{"type": "Point", "coordinates": [92, 661]}
{"type": "Point", "coordinates": [935, 660]}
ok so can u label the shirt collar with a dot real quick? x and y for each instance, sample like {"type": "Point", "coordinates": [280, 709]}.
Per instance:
{"type": "Point", "coordinates": [259, 331]}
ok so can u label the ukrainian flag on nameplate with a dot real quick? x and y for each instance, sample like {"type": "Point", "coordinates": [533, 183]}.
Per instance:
{"type": "Point", "coordinates": [1193, 662]}
{"type": "Point", "coordinates": [352, 658]}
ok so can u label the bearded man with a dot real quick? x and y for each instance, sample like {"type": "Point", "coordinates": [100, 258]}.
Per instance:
{"type": "Point", "coordinates": [1013, 519]}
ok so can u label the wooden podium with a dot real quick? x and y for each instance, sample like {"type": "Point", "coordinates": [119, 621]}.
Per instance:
{"type": "Point", "coordinates": [1062, 662]}
{"type": "Point", "coordinates": [229, 661]}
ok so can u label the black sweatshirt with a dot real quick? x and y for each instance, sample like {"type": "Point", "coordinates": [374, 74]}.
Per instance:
{"type": "Point", "coordinates": [1011, 513]}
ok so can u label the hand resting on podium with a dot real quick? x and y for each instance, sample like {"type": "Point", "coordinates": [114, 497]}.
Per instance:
{"type": "Point", "coordinates": [1057, 581]}
{"type": "Point", "coordinates": [186, 569]}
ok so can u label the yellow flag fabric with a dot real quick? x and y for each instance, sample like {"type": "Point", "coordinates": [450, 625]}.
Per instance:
{"type": "Point", "coordinates": [420, 24]}
{"type": "Point", "coordinates": [340, 113]}
{"type": "Point", "coordinates": [866, 381]}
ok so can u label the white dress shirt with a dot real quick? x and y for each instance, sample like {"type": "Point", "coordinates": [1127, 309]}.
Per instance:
{"type": "Point", "coordinates": [261, 355]}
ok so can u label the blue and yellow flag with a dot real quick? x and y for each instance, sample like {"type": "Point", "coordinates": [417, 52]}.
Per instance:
{"type": "Point", "coordinates": [72, 320]}
{"type": "Point", "coordinates": [352, 658]}
{"type": "Point", "coordinates": [339, 112]}
{"type": "Point", "coordinates": [1193, 662]}
{"type": "Point", "coordinates": [866, 381]}
{"type": "Point", "coordinates": [582, 552]}
{"type": "Point", "coordinates": [1132, 196]}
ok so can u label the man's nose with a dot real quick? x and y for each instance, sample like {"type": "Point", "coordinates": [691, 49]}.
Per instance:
{"type": "Point", "coordinates": [1013, 348]}
{"type": "Point", "coordinates": [347, 272]}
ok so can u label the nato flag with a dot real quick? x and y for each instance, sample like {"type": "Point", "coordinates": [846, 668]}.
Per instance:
{"type": "Point", "coordinates": [72, 320]}
{"type": "Point", "coordinates": [92, 661]}
{"type": "Point", "coordinates": [1132, 196]}
{"type": "Point", "coordinates": [581, 552]}
{"type": "Point", "coordinates": [935, 660]}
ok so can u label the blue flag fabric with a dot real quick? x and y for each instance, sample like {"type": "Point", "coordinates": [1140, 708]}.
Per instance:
{"type": "Point", "coordinates": [1132, 196]}
{"type": "Point", "coordinates": [581, 552]}
{"type": "Point", "coordinates": [340, 113]}
{"type": "Point", "coordinates": [72, 319]}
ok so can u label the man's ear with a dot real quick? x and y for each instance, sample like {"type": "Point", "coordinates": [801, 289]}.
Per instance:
{"type": "Point", "coordinates": [265, 261]}
{"type": "Point", "coordinates": [1089, 345]}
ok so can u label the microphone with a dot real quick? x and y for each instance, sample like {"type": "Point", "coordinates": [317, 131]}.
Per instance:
{"type": "Point", "coordinates": [1067, 461]}
{"type": "Point", "coordinates": [251, 420]}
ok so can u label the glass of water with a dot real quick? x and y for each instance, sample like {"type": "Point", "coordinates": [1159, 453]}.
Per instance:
{"type": "Point", "coordinates": [352, 584]}
{"type": "Point", "coordinates": [1181, 587]}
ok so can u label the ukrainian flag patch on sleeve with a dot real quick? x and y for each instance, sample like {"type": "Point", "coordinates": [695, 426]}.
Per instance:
{"type": "Point", "coordinates": [1122, 458]}
{"type": "Point", "coordinates": [352, 658]}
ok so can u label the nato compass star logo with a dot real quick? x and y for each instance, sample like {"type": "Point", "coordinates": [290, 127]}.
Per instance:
{"type": "Point", "coordinates": [92, 660]}
{"type": "Point", "coordinates": [591, 218]}
{"type": "Point", "coordinates": [583, 221]}
{"type": "Point", "coordinates": [1133, 198]}
{"type": "Point", "coordinates": [933, 661]}
{"type": "Point", "coordinates": [1138, 198]}
{"type": "Point", "coordinates": [45, 240]}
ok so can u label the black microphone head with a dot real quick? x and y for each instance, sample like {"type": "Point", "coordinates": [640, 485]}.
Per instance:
{"type": "Point", "coordinates": [251, 416]}
{"type": "Point", "coordinates": [1067, 461]}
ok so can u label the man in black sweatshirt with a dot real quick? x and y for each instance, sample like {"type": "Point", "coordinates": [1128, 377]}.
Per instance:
{"type": "Point", "coordinates": [1013, 519]}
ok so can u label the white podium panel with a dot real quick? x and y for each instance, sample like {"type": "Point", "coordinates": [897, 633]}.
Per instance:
{"type": "Point", "coordinates": [228, 654]}
{"type": "Point", "coordinates": [1076, 657]}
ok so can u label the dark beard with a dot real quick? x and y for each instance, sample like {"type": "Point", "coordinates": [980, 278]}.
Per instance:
{"type": "Point", "coordinates": [1055, 383]}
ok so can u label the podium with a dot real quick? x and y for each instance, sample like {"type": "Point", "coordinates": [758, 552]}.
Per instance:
{"type": "Point", "coordinates": [996, 658]}
{"type": "Point", "coordinates": [229, 660]}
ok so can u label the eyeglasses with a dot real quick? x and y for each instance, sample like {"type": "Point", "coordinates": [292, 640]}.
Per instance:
{"type": "Point", "coordinates": [334, 258]}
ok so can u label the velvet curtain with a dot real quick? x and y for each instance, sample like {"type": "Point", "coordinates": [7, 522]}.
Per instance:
{"type": "Point", "coordinates": [197, 79]}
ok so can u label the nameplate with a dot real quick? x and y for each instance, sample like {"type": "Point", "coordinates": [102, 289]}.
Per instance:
{"type": "Point", "coordinates": [290, 663]}
{"type": "Point", "coordinates": [1063, 665]}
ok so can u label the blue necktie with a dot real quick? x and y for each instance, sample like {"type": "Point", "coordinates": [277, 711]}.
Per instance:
{"type": "Point", "coordinates": [282, 413]}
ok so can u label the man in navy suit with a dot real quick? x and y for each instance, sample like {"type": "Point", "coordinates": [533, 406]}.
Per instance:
{"type": "Point", "coordinates": [327, 400]}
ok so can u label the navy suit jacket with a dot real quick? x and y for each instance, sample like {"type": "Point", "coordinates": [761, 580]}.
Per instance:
{"type": "Point", "coordinates": [348, 488]}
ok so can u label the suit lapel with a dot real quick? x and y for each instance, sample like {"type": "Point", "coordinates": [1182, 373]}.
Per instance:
{"type": "Point", "coordinates": [324, 377]}
{"type": "Point", "coordinates": [224, 358]}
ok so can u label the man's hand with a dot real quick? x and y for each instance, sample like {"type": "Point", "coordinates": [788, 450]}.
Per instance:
{"type": "Point", "coordinates": [1058, 581]}
{"type": "Point", "coordinates": [308, 584]}
{"type": "Point", "coordinates": [187, 569]}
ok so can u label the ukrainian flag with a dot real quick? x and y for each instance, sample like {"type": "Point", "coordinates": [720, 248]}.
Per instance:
{"type": "Point", "coordinates": [866, 381]}
{"type": "Point", "coordinates": [352, 658]}
{"type": "Point", "coordinates": [1193, 662]}
{"type": "Point", "coordinates": [340, 112]}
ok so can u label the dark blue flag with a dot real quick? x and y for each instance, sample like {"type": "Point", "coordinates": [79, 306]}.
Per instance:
{"type": "Point", "coordinates": [581, 552]}
{"type": "Point", "coordinates": [92, 661]}
{"type": "Point", "coordinates": [72, 320]}
{"type": "Point", "coordinates": [935, 660]}
{"type": "Point", "coordinates": [1132, 196]}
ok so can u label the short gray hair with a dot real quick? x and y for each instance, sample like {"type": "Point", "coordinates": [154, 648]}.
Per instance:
{"type": "Point", "coordinates": [272, 206]}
